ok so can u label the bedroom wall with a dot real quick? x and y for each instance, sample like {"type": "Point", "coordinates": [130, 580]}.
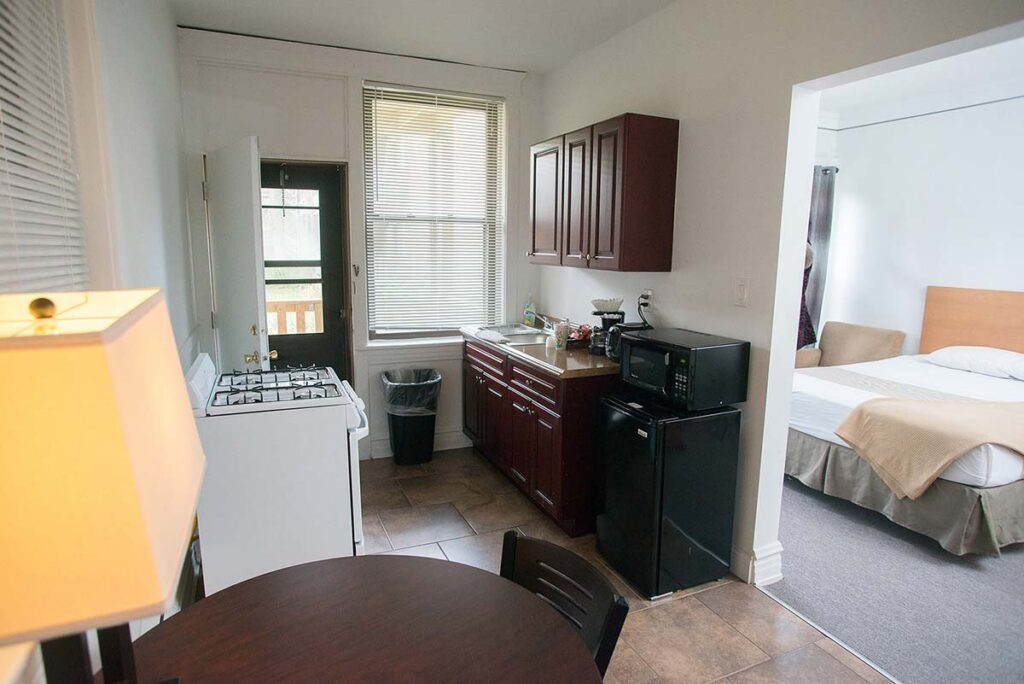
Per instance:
{"type": "Point", "coordinates": [727, 71]}
{"type": "Point", "coordinates": [933, 200]}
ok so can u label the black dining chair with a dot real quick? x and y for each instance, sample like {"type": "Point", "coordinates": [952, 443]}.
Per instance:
{"type": "Point", "coordinates": [570, 585]}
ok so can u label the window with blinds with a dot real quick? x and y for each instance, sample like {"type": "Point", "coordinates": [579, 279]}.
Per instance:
{"type": "Point", "coordinates": [435, 210]}
{"type": "Point", "coordinates": [41, 242]}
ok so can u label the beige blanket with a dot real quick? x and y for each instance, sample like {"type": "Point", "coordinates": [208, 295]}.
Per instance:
{"type": "Point", "coordinates": [909, 442]}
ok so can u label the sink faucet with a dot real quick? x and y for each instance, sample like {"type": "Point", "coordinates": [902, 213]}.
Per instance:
{"type": "Point", "coordinates": [549, 327]}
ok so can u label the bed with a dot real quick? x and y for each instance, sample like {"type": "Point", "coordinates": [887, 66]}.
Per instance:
{"type": "Point", "coordinates": [977, 504]}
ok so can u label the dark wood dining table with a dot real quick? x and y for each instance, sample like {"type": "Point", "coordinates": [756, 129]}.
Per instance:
{"type": "Point", "coordinates": [367, 619]}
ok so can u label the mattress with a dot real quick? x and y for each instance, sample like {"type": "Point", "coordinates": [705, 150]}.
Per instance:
{"type": "Point", "coordinates": [819, 406]}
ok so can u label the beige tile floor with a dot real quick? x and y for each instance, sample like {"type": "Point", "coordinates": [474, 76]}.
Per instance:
{"type": "Point", "coordinates": [458, 507]}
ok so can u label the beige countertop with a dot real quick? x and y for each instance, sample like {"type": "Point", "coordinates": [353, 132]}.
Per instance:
{"type": "Point", "coordinates": [568, 363]}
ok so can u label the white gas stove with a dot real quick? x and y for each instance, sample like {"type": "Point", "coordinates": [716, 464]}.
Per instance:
{"type": "Point", "coordinates": [282, 469]}
{"type": "Point", "coordinates": [270, 390]}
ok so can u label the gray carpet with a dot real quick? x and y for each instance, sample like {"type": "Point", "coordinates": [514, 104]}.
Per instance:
{"type": "Point", "coordinates": [916, 611]}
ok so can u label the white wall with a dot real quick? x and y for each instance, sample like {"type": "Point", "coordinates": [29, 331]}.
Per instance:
{"type": "Point", "coordinates": [727, 71]}
{"type": "Point", "coordinates": [304, 103]}
{"type": "Point", "coordinates": [933, 200]}
{"type": "Point", "coordinates": [145, 155]}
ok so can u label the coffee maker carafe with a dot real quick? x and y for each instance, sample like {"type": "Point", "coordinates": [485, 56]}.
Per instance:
{"type": "Point", "coordinates": [599, 336]}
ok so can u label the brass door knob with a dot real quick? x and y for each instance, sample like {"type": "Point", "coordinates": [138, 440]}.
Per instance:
{"type": "Point", "coordinates": [272, 355]}
{"type": "Point", "coordinates": [251, 358]}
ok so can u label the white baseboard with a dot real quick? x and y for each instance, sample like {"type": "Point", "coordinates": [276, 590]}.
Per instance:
{"type": "Point", "coordinates": [452, 438]}
{"type": "Point", "coordinates": [762, 567]}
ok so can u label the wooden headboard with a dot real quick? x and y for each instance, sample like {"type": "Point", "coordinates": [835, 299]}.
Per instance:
{"type": "Point", "coordinates": [980, 318]}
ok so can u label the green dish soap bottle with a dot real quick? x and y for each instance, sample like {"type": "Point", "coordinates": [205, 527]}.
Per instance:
{"type": "Point", "coordinates": [529, 312]}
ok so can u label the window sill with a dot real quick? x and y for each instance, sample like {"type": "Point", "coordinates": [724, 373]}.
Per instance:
{"type": "Point", "coordinates": [413, 343]}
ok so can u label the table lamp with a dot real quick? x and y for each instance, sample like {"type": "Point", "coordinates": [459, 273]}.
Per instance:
{"type": "Point", "coordinates": [100, 469]}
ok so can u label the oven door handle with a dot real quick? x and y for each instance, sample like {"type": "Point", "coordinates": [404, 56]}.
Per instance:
{"type": "Point", "coordinates": [363, 428]}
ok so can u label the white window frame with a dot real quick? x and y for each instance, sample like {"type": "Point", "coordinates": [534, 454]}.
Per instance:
{"type": "Point", "coordinates": [496, 215]}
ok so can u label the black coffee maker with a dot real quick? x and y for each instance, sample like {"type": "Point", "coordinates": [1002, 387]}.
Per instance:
{"type": "Point", "coordinates": [599, 336]}
{"type": "Point", "coordinates": [611, 344]}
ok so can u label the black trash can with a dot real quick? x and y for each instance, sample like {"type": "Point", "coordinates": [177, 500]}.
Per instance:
{"type": "Point", "coordinates": [410, 398]}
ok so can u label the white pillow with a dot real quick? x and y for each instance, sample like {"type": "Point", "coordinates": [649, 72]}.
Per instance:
{"type": "Point", "coordinates": [999, 363]}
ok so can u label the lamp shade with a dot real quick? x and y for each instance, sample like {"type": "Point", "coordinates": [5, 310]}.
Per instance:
{"type": "Point", "coordinates": [100, 462]}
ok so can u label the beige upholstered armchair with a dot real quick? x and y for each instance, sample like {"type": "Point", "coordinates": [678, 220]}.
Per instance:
{"type": "Point", "coordinates": [842, 343]}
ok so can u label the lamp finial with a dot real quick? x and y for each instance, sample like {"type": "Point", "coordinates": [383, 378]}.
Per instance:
{"type": "Point", "coordinates": [42, 307]}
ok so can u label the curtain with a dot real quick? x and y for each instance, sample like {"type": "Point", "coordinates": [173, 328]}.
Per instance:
{"type": "Point", "coordinates": [819, 234]}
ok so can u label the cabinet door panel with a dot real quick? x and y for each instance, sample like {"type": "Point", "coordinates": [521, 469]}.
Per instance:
{"type": "Point", "coordinates": [520, 440]}
{"type": "Point", "coordinates": [545, 201]}
{"type": "Point", "coordinates": [606, 194]}
{"type": "Point", "coordinates": [492, 411]}
{"type": "Point", "coordinates": [471, 378]}
{"type": "Point", "coordinates": [546, 487]}
{"type": "Point", "coordinates": [576, 198]}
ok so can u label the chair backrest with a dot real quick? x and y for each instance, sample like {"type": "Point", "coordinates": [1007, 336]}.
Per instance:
{"type": "Point", "coordinates": [570, 585]}
{"type": "Point", "coordinates": [843, 343]}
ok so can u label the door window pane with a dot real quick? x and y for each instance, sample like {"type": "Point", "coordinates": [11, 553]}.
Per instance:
{"type": "Point", "coordinates": [290, 197]}
{"type": "Point", "coordinates": [294, 309]}
{"type": "Point", "coordinates": [292, 272]}
{"type": "Point", "coordinates": [291, 234]}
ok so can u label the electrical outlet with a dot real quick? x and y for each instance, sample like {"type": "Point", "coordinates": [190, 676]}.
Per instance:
{"type": "Point", "coordinates": [741, 292]}
{"type": "Point", "coordinates": [646, 295]}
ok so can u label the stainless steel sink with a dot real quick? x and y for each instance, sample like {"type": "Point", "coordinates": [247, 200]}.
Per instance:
{"type": "Point", "coordinates": [510, 329]}
{"type": "Point", "coordinates": [524, 339]}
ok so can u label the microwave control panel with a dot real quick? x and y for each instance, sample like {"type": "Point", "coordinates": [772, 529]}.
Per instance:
{"type": "Point", "coordinates": [681, 377]}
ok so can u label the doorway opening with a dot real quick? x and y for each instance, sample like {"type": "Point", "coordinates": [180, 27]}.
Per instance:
{"type": "Point", "coordinates": [921, 259]}
{"type": "Point", "coordinates": [304, 258]}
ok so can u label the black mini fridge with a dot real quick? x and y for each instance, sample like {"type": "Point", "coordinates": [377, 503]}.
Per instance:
{"type": "Point", "coordinates": [669, 492]}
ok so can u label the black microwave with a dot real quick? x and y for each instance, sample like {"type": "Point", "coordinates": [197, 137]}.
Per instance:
{"type": "Point", "coordinates": [692, 369]}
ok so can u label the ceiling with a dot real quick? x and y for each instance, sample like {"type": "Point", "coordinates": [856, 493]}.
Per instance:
{"type": "Point", "coordinates": [528, 35]}
{"type": "Point", "coordinates": [990, 73]}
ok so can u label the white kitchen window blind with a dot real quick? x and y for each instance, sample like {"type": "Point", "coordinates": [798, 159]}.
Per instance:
{"type": "Point", "coordinates": [435, 210]}
{"type": "Point", "coordinates": [41, 242]}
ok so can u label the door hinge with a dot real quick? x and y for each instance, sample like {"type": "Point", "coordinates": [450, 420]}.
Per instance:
{"type": "Point", "coordinates": [213, 319]}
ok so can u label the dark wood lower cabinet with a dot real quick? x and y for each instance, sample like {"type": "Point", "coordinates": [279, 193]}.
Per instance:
{"type": "Point", "coordinates": [538, 428]}
{"type": "Point", "coordinates": [546, 485]}
{"type": "Point", "coordinates": [520, 440]}
{"type": "Point", "coordinates": [472, 377]}
{"type": "Point", "coordinates": [495, 427]}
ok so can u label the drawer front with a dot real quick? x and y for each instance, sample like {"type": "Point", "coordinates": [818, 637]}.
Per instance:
{"type": "Point", "coordinates": [492, 362]}
{"type": "Point", "coordinates": [535, 384]}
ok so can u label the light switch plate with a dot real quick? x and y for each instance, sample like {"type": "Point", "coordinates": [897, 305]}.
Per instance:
{"type": "Point", "coordinates": [741, 292]}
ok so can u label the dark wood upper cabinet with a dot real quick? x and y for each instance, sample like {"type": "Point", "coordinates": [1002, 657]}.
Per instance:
{"type": "Point", "coordinates": [576, 188]}
{"type": "Point", "coordinates": [617, 191]}
{"type": "Point", "coordinates": [546, 201]}
{"type": "Point", "coordinates": [606, 197]}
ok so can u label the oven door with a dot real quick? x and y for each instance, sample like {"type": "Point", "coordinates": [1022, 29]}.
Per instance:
{"type": "Point", "coordinates": [646, 367]}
